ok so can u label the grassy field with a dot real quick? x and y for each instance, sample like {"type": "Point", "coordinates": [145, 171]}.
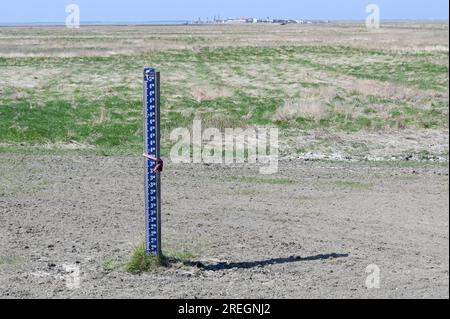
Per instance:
{"type": "Point", "coordinates": [364, 139]}
{"type": "Point", "coordinates": [330, 89]}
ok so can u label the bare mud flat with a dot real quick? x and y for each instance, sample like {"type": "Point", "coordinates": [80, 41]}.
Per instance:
{"type": "Point", "coordinates": [308, 232]}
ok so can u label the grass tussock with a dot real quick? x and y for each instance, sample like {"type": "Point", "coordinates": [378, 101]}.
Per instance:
{"type": "Point", "coordinates": [200, 94]}
{"type": "Point", "coordinates": [301, 108]}
{"type": "Point", "coordinates": [141, 262]}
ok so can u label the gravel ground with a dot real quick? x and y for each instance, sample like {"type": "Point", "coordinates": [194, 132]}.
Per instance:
{"type": "Point", "coordinates": [308, 232]}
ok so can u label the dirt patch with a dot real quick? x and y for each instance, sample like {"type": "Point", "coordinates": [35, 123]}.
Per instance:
{"type": "Point", "coordinates": [312, 237]}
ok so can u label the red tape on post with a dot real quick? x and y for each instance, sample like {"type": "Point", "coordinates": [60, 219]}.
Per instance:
{"type": "Point", "coordinates": [159, 163]}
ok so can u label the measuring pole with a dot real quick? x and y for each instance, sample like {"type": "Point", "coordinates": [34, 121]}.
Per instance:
{"type": "Point", "coordinates": [152, 149]}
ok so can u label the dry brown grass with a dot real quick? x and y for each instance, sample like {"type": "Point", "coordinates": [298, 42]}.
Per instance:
{"type": "Point", "coordinates": [306, 108]}
{"type": "Point", "coordinates": [137, 40]}
{"type": "Point", "coordinates": [313, 104]}
{"type": "Point", "coordinates": [210, 93]}
{"type": "Point", "coordinates": [103, 117]}
{"type": "Point", "coordinates": [221, 122]}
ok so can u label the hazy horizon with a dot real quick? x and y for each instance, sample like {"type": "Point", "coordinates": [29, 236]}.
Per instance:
{"type": "Point", "coordinates": [180, 22]}
{"type": "Point", "coordinates": [141, 11]}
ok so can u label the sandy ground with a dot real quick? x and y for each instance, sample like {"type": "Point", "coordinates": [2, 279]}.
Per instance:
{"type": "Point", "coordinates": [310, 233]}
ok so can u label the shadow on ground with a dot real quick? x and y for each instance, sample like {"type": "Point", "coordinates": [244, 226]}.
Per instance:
{"type": "Point", "coordinates": [264, 263]}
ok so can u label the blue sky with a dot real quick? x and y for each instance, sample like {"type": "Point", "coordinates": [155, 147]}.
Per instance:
{"type": "Point", "coordinates": [21, 11]}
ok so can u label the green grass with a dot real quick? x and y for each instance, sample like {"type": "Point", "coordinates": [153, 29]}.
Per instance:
{"type": "Point", "coordinates": [352, 185]}
{"type": "Point", "coordinates": [422, 75]}
{"type": "Point", "coordinates": [256, 180]}
{"type": "Point", "coordinates": [181, 257]}
{"type": "Point", "coordinates": [87, 107]}
{"type": "Point", "coordinates": [141, 262]}
{"type": "Point", "coordinates": [112, 264]}
{"type": "Point", "coordinates": [10, 260]}
{"type": "Point", "coordinates": [60, 122]}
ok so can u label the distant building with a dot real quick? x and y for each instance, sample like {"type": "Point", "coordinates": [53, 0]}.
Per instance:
{"type": "Point", "coordinates": [284, 21]}
{"type": "Point", "coordinates": [235, 21]}
{"type": "Point", "coordinates": [218, 20]}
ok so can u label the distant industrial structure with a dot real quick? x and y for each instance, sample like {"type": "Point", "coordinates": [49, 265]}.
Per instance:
{"type": "Point", "coordinates": [250, 20]}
